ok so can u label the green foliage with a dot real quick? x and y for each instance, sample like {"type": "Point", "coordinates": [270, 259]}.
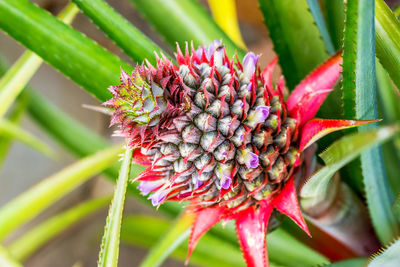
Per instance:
{"type": "Point", "coordinates": [387, 36]}
{"type": "Point", "coordinates": [359, 101]}
{"type": "Point", "coordinates": [187, 21]}
{"type": "Point", "coordinates": [14, 117]}
{"type": "Point", "coordinates": [334, 15]}
{"type": "Point", "coordinates": [389, 105]}
{"type": "Point", "coordinates": [6, 260]}
{"type": "Point", "coordinates": [31, 241]}
{"type": "Point", "coordinates": [211, 251]}
{"type": "Point", "coordinates": [315, 10]}
{"type": "Point", "coordinates": [75, 55]}
{"type": "Point", "coordinates": [300, 49]}
{"type": "Point", "coordinates": [12, 83]}
{"type": "Point", "coordinates": [30, 203]}
{"type": "Point", "coordinates": [16, 78]}
{"type": "Point", "coordinates": [110, 244]}
{"type": "Point", "coordinates": [132, 41]}
{"type": "Point", "coordinates": [336, 156]}
{"type": "Point", "coordinates": [175, 236]}
{"type": "Point", "coordinates": [396, 207]}
{"type": "Point", "coordinates": [9, 129]}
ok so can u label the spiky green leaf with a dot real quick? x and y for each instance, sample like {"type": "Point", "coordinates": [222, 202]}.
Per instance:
{"type": "Point", "coordinates": [334, 14]}
{"type": "Point", "coordinates": [14, 117]}
{"type": "Point", "coordinates": [315, 10]}
{"type": "Point", "coordinates": [109, 251]}
{"type": "Point", "coordinates": [300, 49]}
{"type": "Point", "coordinates": [131, 40]}
{"type": "Point", "coordinates": [16, 78]}
{"type": "Point", "coordinates": [31, 202]}
{"type": "Point", "coordinates": [389, 103]}
{"type": "Point", "coordinates": [336, 156]}
{"type": "Point", "coordinates": [359, 100]}
{"type": "Point", "coordinates": [387, 36]}
{"type": "Point", "coordinates": [174, 237]}
{"type": "Point", "coordinates": [11, 130]}
{"type": "Point", "coordinates": [75, 55]}
{"type": "Point", "coordinates": [211, 251]}
{"type": "Point", "coordinates": [24, 246]}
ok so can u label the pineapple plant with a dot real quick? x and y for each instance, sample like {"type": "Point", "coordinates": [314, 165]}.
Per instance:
{"type": "Point", "coordinates": [218, 132]}
{"type": "Point", "coordinates": [210, 135]}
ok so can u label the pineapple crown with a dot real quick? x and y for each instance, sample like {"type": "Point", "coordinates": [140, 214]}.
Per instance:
{"type": "Point", "coordinates": [216, 132]}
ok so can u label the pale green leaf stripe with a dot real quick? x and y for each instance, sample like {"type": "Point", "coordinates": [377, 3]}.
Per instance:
{"type": "Point", "coordinates": [339, 154]}
{"type": "Point", "coordinates": [315, 10]}
{"type": "Point", "coordinates": [68, 50]}
{"type": "Point", "coordinates": [9, 129]}
{"type": "Point", "coordinates": [387, 37]}
{"type": "Point", "coordinates": [132, 41]}
{"type": "Point", "coordinates": [389, 99]}
{"type": "Point", "coordinates": [14, 117]}
{"type": "Point", "coordinates": [389, 257]}
{"type": "Point", "coordinates": [30, 203]}
{"type": "Point", "coordinates": [389, 96]}
{"type": "Point", "coordinates": [110, 244]}
{"type": "Point", "coordinates": [16, 78]}
{"type": "Point", "coordinates": [6, 260]}
{"type": "Point", "coordinates": [186, 21]}
{"type": "Point", "coordinates": [23, 247]}
{"type": "Point", "coordinates": [178, 233]}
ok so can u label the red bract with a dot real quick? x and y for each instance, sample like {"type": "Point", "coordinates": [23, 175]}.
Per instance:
{"type": "Point", "coordinates": [218, 133]}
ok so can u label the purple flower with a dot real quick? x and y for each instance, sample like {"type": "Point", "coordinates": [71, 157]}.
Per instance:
{"type": "Point", "coordinates": [257, 116]}
{"type": "Point", "coordinates": [249, 87]}
{"type": "Point", "coordinates": [251, 160]}
{"type": "Point", "coordinates": [212, 47]}
{"type": "Point", "coordinates": [219, 56]}
{"type": "Point", "coordinates": [146, 187]}
{"type": "Point", "coordinates": [262, 113]}
{"type": "Point", "coordinates": [198, 184]}
{"type": "Point", "coordinates": [226, 182]}
{"type": "Point", "coordinates": [208, 50]}
{"type": "Point", "coordinates": [249, 64]}
{"type": "Point", "coordinates": [158, 197]}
